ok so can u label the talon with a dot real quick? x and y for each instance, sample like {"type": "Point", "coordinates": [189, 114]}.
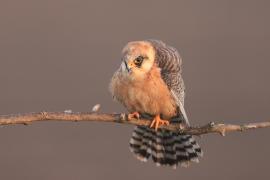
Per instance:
{"type": "Point", "coordinates": [134, 115]}
{"type": "Point", "coordinates": [182, 126]}
{"type": "Point", "coordinates": [157, 122]}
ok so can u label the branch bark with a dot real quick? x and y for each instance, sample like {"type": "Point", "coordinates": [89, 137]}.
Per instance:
{"type": "Point", "coordinates": [29, 118]}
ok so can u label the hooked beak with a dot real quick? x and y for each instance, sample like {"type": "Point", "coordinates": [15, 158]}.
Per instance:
{"type": "Point", "coordinates": [128, 67]}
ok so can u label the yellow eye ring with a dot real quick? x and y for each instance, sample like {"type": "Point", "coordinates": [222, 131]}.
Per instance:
{"type": "Point", "coordinates": [138, 61]}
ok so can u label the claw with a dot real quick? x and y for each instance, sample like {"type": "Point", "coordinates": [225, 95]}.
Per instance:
{"type": "Point", "coordinates": [157, 122]}
{"type": "Point", "coordinates": [134, 115]}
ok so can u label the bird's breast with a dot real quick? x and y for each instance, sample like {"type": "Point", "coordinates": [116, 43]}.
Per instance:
{"type": "Point", "coordinates": [150, 95]}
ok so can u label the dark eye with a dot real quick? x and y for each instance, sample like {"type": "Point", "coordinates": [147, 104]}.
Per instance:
{"type": "Point", "coordinates": [138, 61]}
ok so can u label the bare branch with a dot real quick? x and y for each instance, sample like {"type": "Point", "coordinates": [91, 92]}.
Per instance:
{"type": "Point", "coordinates": [29, 118]}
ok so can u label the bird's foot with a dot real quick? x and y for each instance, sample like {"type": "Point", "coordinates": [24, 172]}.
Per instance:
{"type": "Point", "coordinates": [134, 115]}
{"type": "Point", "coordinates": [183, 126]}
{"type": "Point", "coordinates": [156, 122]}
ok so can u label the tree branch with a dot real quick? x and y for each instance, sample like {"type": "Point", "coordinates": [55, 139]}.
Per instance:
{"type": "Point", "coordinates": [29, 118]}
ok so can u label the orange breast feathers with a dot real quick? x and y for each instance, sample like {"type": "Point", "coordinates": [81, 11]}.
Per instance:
{"type": "Point", "coordinates": [149, 94]}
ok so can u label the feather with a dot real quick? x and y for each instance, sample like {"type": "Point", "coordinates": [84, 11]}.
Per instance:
{"type": "Point", "coordinates": [157, 89]}
{"type": "Point", "coordinates": [169, 61]}
{"type": "Point", "coordinates": [164, 147]}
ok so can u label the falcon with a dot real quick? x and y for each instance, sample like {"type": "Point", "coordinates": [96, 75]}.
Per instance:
{"type": "Point", "coordinates": [149, 84]}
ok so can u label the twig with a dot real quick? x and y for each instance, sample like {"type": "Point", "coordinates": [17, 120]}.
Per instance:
{"type": "Point", "coordinates": [29, 118]}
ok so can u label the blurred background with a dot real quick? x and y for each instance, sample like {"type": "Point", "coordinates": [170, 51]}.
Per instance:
{"type": "Point", "coordinates": [60, 54]}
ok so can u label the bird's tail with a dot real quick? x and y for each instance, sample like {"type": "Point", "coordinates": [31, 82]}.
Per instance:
{"type": "Point", "coordinates": [164, 147]}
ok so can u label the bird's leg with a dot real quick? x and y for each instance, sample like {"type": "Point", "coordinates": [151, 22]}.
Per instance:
{"type": "Point", "coordinates": [134, 115]}
{"type": "Point", "coordinates": [156, 122]}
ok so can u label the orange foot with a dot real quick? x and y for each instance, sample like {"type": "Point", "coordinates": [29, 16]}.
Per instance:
{"type": "Point", "coordinates": [157, 122]}
{"type": "Point", "coordinates": [134, 115]}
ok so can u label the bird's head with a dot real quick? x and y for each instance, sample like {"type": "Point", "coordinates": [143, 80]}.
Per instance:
{"type": "Point", "coordinates": [137, 59]}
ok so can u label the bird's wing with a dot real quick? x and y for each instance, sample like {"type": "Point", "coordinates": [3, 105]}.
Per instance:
{"type": "Point", "coordinates": [169, 61]}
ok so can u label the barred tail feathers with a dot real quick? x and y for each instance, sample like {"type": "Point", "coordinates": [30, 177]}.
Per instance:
{"type": "Point", "coordinates": [164, 147]}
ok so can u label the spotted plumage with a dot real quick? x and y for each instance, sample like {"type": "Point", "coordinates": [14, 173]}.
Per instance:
{"type": "Point", "coordinates": [149, 83]}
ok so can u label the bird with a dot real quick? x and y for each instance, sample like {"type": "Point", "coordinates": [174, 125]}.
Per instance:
{"type": "Point", "coordinates": [149, 84]}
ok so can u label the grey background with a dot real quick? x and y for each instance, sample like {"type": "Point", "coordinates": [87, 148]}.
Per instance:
{"type": "Point", "coordinates": [61, 54]}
